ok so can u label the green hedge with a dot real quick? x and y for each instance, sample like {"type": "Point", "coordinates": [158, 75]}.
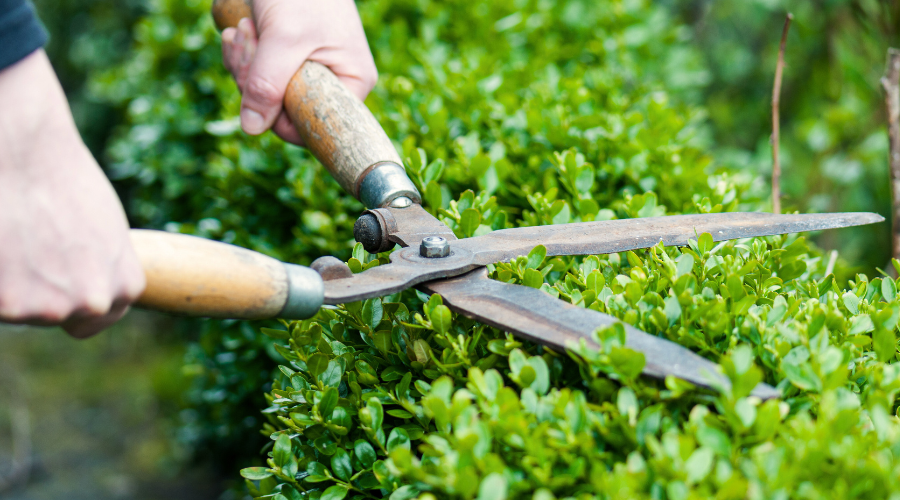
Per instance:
{"type": "Point", "coordinates": [509, 114]}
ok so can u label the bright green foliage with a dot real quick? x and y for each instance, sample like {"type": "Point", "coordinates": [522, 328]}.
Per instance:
{"type": "Point", "coordinates": [513, 113]}
{"type": "Point", "coordinates": [463, 410]}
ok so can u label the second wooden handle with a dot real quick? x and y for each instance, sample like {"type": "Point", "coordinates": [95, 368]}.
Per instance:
{"type": "Point", "coordinates": [336, 126]}
{"type": "Point", "coordinates": [199, 277]}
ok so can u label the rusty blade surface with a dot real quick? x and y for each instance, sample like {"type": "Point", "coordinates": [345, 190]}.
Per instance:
{"type": "Point", "coordinates": [585, 238]}
{"type": "Point", "coordinates": [537, 316]}
{"type": "Point", "coordinates": [406, 269]}
{"type": "Point", "coordinates": [589, 238]}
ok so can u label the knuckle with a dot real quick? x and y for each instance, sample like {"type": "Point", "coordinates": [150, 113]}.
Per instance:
{"type": "Point", "coordinates": [94, 304]}
{"type": "Point", "coordinates": [132, 290]}
{"type": "Point", "coordinates": [263, 91]}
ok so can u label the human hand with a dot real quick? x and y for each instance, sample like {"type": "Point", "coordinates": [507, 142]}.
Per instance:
{"type": "Point", "coordinates": [65, 254]}
{"type": "Point", "coordinates": [290, 32]}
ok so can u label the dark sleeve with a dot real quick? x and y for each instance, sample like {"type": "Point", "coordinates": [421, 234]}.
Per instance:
{"type": "Point", "coordinates": [20, 31]}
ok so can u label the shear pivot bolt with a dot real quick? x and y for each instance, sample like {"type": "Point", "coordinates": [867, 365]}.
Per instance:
{"type": "Point", "coordinates": [433, 247]}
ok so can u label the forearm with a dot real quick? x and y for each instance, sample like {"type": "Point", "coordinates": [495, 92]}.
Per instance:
{"type": "Point", "coordinates": [67, 257]}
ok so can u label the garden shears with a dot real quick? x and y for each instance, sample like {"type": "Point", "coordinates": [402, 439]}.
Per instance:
{"type": "Point", "coordinates": [191, 275]}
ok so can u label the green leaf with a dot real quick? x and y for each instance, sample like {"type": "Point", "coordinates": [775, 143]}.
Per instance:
{"type": "Point", "coordinates": [367, 374]}
{"type": "Point", "coordinates": [364, 452]}
{"type": "Point", "coordinates": [440, 319]}
{"type": "Point", "coordinates": [672, 310]}
{"type": "Point", "coordinates": [541, 382]}
{"type": "Point", "coordinates": [562, 214]}
{"type": "Point", "coordinates": [434, 197]}
{"type": "Point", "coordinates": [333, 373]}
{"type": "Point", "coordinates": [885, 344]}
{"type": "Point", "coordinates": [328, 401]}
{"type": "Point", "coordinates": [398, 438]}
{"type": "Point", "coordinates": [888, 289]}
{"type": "Point", "coordinates": [684, 264]}
{"type": "Point", "coordinates": [377, 412]}
{"type": "Point", "coordinates": [407, 492]}
{"type": "Point", "coordinates": [340, 465]}
{"type": "Point", "coordinates": [400, 413]}
{"type": "Point", "coordinates": [360, 253]}
{"type": "Point", "coordinates": [422, 350]}
{"type": "Point", "coordinates": [307, 336]}
{"type": "Point", "coordinates": [326, 444]}
{"type": "Point", "coordinates": [382, 341]}
{"type": "Point", "coordinates": [705, 243]}
{"type": "Point", "coordinates": [372, 312]}
{"type": "Point", "coordinates": [536, 257]}
{"type": "Point", "coordinates": [255, 473]}
{"type": "Point", "coordinates": [336, 492]}
{"type": "Point", "coordinates": [469, 221]}
{"type": "Point", "coordinates": [433, 171]}
{"type": "Point", "coordinates": [851, 301]}
{"type": "Point", "coordinates": [533, 278]}
{"type": "Point", "coordinates": [861, 324]}
{"type": "Point", "coordinates": [699, 465]}
{"type": "Point", "coordinates": [341, 417]}
{"type": "Point", "coordinates": [492, 487]}
{"type": "Point", "coordinates": [282, 450]}
{"type": "Point", "coordinates": [317, 364]}
{"type": "Point", "coordinates": [275, 334]}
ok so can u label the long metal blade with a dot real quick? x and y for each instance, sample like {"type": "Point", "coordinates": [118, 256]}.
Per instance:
{"type": "Point", "coordinates": [585, 238]}
{"type": "Point", "coordinates": [537, 316]}
{"type": "Point", "coordinates": [589, 238]}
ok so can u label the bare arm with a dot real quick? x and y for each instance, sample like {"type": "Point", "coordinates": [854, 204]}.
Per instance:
{"type": "Point", "coordinates": [65, 254]}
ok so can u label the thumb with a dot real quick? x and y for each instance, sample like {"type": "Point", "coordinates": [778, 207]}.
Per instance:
{"type": "Point", "coordinates": [273, 66]}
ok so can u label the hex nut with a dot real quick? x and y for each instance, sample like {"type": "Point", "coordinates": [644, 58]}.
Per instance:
{"type": "Point", "coordinates": [434, 247]}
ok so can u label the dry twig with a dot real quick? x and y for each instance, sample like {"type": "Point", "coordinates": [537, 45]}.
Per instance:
{"type": "Point", "coordinates": [890, 82]}
{"type": "Point", "coordinates": [776, 98]}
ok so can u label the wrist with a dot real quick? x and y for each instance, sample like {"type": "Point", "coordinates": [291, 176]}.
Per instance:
{"type": "Point", "coordinates": [34, 107]}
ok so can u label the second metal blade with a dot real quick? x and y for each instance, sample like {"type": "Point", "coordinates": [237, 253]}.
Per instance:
{"type": "Point", "coordinates": [602, 237]}
{"type": "Point", "coordinates": [541, 318]}
{"type": "Point", "coordinates": [584, 238]}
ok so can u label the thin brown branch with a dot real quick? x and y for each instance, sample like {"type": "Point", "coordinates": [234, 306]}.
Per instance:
{"type": "Point", "coordinates": [776, 100]}
{"type": "Point", "coordinates": [890, 82]}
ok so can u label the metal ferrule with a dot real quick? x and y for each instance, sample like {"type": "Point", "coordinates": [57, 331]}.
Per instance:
{"type": "Point", "coordinates": [384, 183]}
{"type": "Point", "coordinates": [306, 293]}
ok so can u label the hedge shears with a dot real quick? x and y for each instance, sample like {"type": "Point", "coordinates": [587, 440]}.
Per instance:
{"type": "Point", "coordinates": [194, 276]}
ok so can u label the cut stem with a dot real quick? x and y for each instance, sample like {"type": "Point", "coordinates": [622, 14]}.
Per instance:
{"type": "Point", "coordinates": [776, 100]}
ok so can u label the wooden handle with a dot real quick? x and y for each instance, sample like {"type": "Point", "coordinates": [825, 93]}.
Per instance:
{"type": "Point", "coordinates": [199, 277]}
{"type": "Point", "coordinates": [335, 125]}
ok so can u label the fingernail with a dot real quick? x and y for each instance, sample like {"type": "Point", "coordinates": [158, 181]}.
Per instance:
{"type": "Point", "coordinates": [239, 37]}
{"type": "Point", "coordinates": [252, 122]}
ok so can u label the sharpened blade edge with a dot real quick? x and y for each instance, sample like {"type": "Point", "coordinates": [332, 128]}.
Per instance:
{"type": "Point", "coordinates": [536, 316]}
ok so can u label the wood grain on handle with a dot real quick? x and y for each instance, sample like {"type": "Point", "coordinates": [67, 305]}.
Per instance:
{"type": "Point", "coordinates": [227, 13]}
{"type": "Point", "coordinates": [334, 124]}
{"type": "Point", "coordinates": [199, 277]}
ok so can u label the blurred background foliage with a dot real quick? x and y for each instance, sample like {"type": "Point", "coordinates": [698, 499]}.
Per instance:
{"type": "Point", "coordinates": [666, 104]}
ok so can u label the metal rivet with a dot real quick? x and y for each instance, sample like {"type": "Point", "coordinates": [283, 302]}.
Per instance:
{"type": "Point", "coordinates": [401, 202]}
{"type": "Point", "coordinates": [434, 247]}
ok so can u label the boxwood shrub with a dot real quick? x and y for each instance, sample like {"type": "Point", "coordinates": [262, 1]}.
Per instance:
{"type": "Point", "coordinates": [511, 113]}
